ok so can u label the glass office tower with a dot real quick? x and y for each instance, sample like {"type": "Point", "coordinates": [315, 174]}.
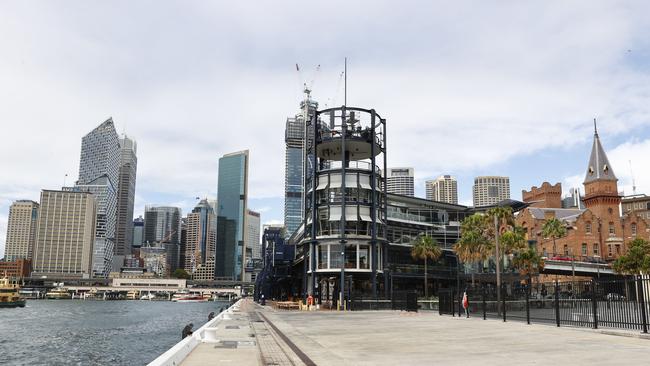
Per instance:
{"type": "Point", "coordinates": [232, 195]}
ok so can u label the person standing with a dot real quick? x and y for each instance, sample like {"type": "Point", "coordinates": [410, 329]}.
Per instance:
{"type": "Point", "coordinates": [466, 303]}
{"type": "Point", "coordinates": [187, 331]}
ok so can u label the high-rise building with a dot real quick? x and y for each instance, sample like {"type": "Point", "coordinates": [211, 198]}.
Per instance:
{"type": "Point", "coordinates": [401, 181]}
{"type": "Point", "coordinates": [98, 174]}
{"type": "Point", "coordinates": [294, 179]}
{"type": "Point", "coordinates": [639, 203]}
{"type": "Point", "coordinates": [574, 199]}
{"type": "Point", "coordinates": [125, 196]}
{"type": "Point", "coordinates": [443, 189]}
{"type": "Point", "coordinates": [232, 198]}
{"type": "Point", "coordinates": [253, 239]}
{"type": "Point", "coordinates": [138, 232]}
{"type": "Point", "coordinates": [490, 190]}
{"type": "Point", "coordinates": [162, 228]}
{"type": "Point", "coordinates": [200, 237]}
{"type": "Point", "coordinates": [21, 230]}
{"type": "Point", "coordinates": [66, 233]}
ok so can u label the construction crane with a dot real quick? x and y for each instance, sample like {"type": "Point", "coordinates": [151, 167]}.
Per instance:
{"type": "Point", "coordinates": [633, 181]}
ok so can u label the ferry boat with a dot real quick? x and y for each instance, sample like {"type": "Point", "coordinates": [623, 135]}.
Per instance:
{"type": "Point", "coordinates": [186, 296]}
{"type": "Point", "coordinates": [9, 294]}
{"type": "Point", "coordinates": [132, 295]}
{"type": "Point", "coordinates": [31, 293]}
{"type": "Point", "coordinates": [58, 293]}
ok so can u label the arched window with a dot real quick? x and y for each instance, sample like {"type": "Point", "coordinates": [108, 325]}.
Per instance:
{"type": "Point", "coordinates": [588, 227]}
{"type": "Point", "coordinates": [633, 228]}
{"type": "Point", "coordinates": [612, 231]}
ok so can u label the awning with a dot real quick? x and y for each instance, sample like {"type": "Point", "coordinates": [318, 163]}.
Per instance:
{"type": "Point", "coordinates": [364, 213]}
{"type": "Point", "coordinates": [364, 181]}
{"type": "Point", "coordinates": [335, 181]}
{"type": "Point", "coordinates": [322, 182]}
{"type": "Point", "coordinates": [335, 213]}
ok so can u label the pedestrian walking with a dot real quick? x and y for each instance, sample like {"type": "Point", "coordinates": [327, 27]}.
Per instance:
{"type": "Point", "coordinates": [466, 303]}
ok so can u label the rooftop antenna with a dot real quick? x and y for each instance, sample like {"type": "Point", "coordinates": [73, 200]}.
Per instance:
{"type": "Point", "coordinates": [595, 128]}
{"type": "Point", "coordinates": [633, 181]}
{"type": "Point", "coordinates": [64, 178]}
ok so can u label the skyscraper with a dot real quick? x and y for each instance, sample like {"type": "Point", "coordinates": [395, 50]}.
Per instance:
{"type": "Point", "coordinates": [125, 196]}
{"type": "Point", "coordinates": [98, 174]}
{"type": "Point", "coordinates": [66, 232]}
{"type": "Point", "coordinates": [252, 239]}
{"type": "Point", "coordinates": [201, 236]}
{"type": "Point", "coordinates": [162, 228]}
{"type": "Point", "coordinates": [443, 189]}
{"type": "Point", "coordinates": [232, 200]}
{"type": "Point", "coordinates": [490, 190]}
{"type": "Point", "coordinates": [138, 232]}
{"type": "Point", "coordinates": [294, 138]}
{"type": "Point", "coordinates": [401, 181]}
{"type": "Point", "coordinates": [21, 230]}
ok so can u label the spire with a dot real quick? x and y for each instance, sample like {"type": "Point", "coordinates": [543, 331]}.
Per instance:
{"type": "Point", "coordinates": [599, 167]}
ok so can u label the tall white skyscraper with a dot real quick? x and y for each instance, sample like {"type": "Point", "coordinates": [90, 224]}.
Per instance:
{"type": "Point", "coordinates": [98, 174]}
{"type": "Point", "coordinates": [253, 239]}
{"type": "Point", "coordinates": [125, 196]}
{"type": "Point", "coordinates": [443, 189]}
{"type": "Point", "coordinates": [21, 230]}
{"type": "Point", "coordinates": [401, 181]}
{"type": "Point", "coordinates": [490, 190]}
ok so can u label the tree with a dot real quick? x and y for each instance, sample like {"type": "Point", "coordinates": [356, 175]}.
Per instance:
{"type": "Point", "coordinates": [555, 229]}
{"type": "Point", "coordinates": [181, 273]}
{"type": "Point", "coordinates": [528, 262]}
{"type": "Point", "coordinates": [474, 246]}
{"type": "Point", "coordinates": [424, 248]}
{"type": "Point", "coordinates": [514, 240]}
{"type": "Point", "coordinates": [636, 260]}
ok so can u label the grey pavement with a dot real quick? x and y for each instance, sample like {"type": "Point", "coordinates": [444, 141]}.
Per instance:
{"type": "Point", "coordinates": [425, 338]}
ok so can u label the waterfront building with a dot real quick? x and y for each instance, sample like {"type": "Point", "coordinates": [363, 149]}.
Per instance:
{"type": "Point", "coordinates": [65, 234]}
{"type": "Point", "coordinates": [204, 271]}
{"type": "Point", "coordinates": [138, 233]}
{"type": "Point", "coordinates": [639, 203]}
{"type": "Point", "coordinates": [232, 198]}
{"type": "Point", "coordinates": [154, 260]}
{"type": "Point", "coordinates": [294, 138]}
{"type": "Point", "coordinates": [21, 230]}
{"type": "Point", "coordinates": [490, 190]}
{"type": "Point", "coordinates": [16, 269]}
{"type": "Point", "coordinates": [252, 238]}
{"type": "Point", "coordinates": [125, 196]}
{"type": "Point", "coordinates": [199, 244]}
{"type": "Point", "coordinates": [99, 174]}
{"type": "Point", "coordinates": [596, 232]}
{"type": "Point", "coordinates": [442, 189]}
{"type": "Point", "coordinates": [401, 181]}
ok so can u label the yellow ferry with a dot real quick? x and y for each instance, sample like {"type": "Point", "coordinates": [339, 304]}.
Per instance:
{"type": "Point", "coordinates": [9, 294]}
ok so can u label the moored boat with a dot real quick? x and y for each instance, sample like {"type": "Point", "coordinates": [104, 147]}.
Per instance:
{"type": "Point", "coordinates": [10, 295]}
{"type": "Point", "coordinates": [59, 293]}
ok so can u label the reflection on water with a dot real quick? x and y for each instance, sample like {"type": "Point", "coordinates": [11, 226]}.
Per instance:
{"type": "Point", "coordinates": [77, 332]}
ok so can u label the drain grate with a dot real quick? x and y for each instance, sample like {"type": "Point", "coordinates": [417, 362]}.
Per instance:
{"type": "Point", "coordinates": [234, 344]}
{"type": "Point", "coordinates": [232, 326]}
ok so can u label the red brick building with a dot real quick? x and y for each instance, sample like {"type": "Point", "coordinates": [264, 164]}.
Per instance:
{"type": "Point", "coordinates": [17, 269]}
{"type": "Point", "coordinates": [598, 230]}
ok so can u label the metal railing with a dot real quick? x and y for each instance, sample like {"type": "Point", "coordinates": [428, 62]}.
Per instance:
{"type": "Point", "coordinates": [621, 303]}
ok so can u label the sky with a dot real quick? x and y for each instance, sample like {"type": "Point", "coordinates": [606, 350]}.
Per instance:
{"type": "Point", "coordinates": [467, 88]}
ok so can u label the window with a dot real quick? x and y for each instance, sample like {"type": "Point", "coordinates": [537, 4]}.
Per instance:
{"type": "Point", "coordinates": [544, 253]}
{"type": "Point", "coordinates": [633, 227]}
{"type": "Point", "coordinates": [612, 231]}
{"type": "Point", "coordinates": [566, 249]}
{"type": "Point", "coordinates": [584, 249]}
{"type": "Point", "coordinates": [618, 249]}
{"type": "Point", "coordinates": [609, 250]}
{"type": "Point", "coordinates": [588, 227]}
{"type": "Point", "coordinates": [595, 249]}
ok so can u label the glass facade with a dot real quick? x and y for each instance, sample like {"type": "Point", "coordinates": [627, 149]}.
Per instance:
{"type": "Point", "coordinates": [232, 192]}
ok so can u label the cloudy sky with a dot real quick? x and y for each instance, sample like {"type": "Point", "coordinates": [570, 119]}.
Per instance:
{"type": "Point", "coordinates": [498, 88]}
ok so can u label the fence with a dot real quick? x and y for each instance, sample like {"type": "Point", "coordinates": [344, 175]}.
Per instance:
{"type": "Point", "coordinates": [618, 303]}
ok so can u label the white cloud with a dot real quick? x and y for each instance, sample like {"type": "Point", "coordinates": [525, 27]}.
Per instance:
{"type": "Point", "coordinates": [637, 152]}
{"type": "Point", "coordinates": [463, 87]}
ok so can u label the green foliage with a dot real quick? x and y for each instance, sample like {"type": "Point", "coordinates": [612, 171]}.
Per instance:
{"type": "Point", "coordinates": [528, 262]}
{"type": "Point", "coordinates": [636, 260]}
{"type": "Point", "coordinates": [513, 241]}
{"type": "Point", "coordinates": [553, 228]}
{"type": "Point", "coordinates": [474, 244]}
{"type": "Point", "coordinates": [181, 273]}
{"type": "Point", "coordinates": [426, 247]}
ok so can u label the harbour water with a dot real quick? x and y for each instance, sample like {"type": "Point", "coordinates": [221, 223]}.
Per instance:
{"type": "Point", "coordinates": [77, 332]}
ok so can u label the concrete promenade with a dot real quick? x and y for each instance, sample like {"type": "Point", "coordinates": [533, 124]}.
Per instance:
{"type": "Point", "coordinates": [400, 338]}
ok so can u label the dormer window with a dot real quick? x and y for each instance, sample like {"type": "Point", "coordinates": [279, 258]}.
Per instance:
{"type": "Point", "coordinates": [605, 169]}
{"type": "Point", "coordinates": [591, 170]}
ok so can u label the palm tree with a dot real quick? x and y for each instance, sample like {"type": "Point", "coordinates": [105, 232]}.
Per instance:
{"type": "Point", "coordinates": [528, 262]}
{"type": "Point", "coordinates": [555, 229]}
{"type": "Point", "coordinates": [424, 248]}
{"type": "Point", "coordinates": [513, 241]}
{"type": "Point", "coordinates": [473, 246]}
